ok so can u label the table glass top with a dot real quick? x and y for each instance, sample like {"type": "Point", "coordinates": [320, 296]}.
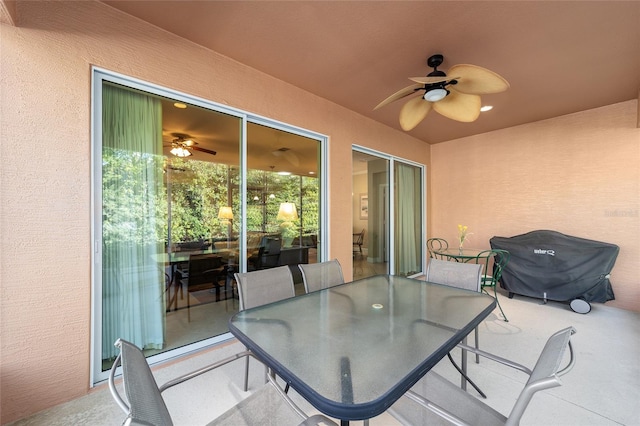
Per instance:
{"type": "Point", "coordinates": [465, 253]}
{"type": "Point", "coordinates": [355, 348]}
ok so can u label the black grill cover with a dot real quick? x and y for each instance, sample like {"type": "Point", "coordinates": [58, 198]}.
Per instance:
{"type": "Point", "coordinates": [562, 266]}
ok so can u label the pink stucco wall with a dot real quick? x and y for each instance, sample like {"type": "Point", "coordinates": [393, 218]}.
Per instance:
{"type": "Point", "coordinates": [45, 190]}
{"type": "Point", "coordinates": [46, 172]}
{"type": "Point", "coordinates": [578, 174]}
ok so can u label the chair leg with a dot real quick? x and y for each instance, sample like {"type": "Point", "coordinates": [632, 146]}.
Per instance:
{"type": "Point", "coordinates": [477, 345]}
{"type": "Point", "coordinates": [463, 378]}
{"type": "Point", "coordinates": [188, 306]}
{"type": "Point", "coordinates": [495, 293]}
{"type": "Point", "coordinates": [246, 375]}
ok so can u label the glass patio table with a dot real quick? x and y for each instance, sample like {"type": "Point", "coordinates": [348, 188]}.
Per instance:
{"type": "Point", "coordinates": [354, 349]}
{"type": "Point", "coordinates": [464, 255]}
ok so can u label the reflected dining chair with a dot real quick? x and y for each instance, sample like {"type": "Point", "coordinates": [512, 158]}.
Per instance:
{"type": "Point", "coordinates": [258, 288]}
{"type": "Point", "coordinates": [467, 276]}
{"type": "Point", "coordinates": [317, 276]}
{"type": "Point", "coordinates": [145, 405]}
{"type": "Point", "coordinates": [358, 240]}
{"type": "Point", "coordinates": [494, 260]}
{"type": "Point", "coordinates": [435, 400]}
{"type": "Point", "coordinates": [205, 271]}
{"type": "Point", "coordinates": [435, 245]}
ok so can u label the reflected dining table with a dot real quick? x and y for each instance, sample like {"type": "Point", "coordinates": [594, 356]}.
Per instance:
{"type": "Point", "coordinates": [352, 350]}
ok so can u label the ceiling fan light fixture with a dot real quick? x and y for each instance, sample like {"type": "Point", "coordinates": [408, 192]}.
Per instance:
{"type": "Point", "coordinates": [179, 151]}
{"type": "Point", "coordinates": [435, 94]}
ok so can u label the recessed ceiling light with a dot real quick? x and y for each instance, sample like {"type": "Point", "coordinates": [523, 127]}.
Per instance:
{"type": "Point", "coordinates": [486, 108]}
{"type": "Point", "coordinates": [180, 105]}
{"type": "Point", "coordinates": [312, 173]}
{"type": "Point", "coordinates": [284, 173]}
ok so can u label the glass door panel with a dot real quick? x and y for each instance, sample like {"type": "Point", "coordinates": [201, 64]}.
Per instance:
{"type": "Point", "coordinates": [408, 241]}
{"type": "Point", "coordinates": [169, 179]}
{"type": "Point", "coordinates": [370, 183]}
{"type": "Point", "coordinates": [283, 199]}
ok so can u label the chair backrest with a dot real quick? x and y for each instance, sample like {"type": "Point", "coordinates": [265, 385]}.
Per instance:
{"type": "Point", "coordinates": [546, 371]}
{"type": "Point", "coordinates": [258, 288]}
{"type": "Point", "coordinates": [203, 268]}
{"type": "Point", "coordinates": [455, 274]}
{"type": "Point", "coordinates": [436, 244]}
{"type": "Point", "coordinates": [494, 261]}
{"type": "Point", "coordinates": [146, 405]}
{"type": "Point", "coordinates": [317, 276]}
{"type": "Point", "coordinates": [358, 239]}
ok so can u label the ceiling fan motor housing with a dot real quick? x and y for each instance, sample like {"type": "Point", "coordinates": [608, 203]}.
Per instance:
{"type": "Point", "coordinates": [435, 61]}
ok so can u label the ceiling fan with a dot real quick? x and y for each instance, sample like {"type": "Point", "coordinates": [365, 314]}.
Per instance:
{"type": "Point", "coordinates": [183, 144]}
{"type": "Point", "coordinates": [455, 96]}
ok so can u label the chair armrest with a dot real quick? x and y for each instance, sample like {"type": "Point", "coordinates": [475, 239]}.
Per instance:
{"type": "Point", "coordinates": [435, 408]}
{"type": "Point", "coordinates": [315, 420]}
{"type": "Point", "coordinates": [572, 361]}
{"type": "Point", "coordinates": [112, 386]}
{"type": "Point", "coordinates": [495, 358]}
{"type": "Point", "coordinates": [203, 370]}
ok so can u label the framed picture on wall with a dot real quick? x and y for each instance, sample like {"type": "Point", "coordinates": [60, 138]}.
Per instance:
{"type": "Point", "coordinates": [364, 206]}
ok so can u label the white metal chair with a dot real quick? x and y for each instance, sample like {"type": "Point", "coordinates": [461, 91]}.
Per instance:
{"type": "Point", "coordinates": [144, 404]}
{"type": "Point", "coordinates": [258, 288]}
{"type": "Point", "coordinates": [434, 400]}
{"type": "Point", "coordinates": [317, 276]}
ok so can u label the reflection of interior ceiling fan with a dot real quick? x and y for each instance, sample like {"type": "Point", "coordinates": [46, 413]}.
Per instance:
{"type": "Point", "coordinates": [288, 155]}
{"type": "Point", "coordinates": [455, 96]}
{"type": "Point", "coordinates": [183, 144]}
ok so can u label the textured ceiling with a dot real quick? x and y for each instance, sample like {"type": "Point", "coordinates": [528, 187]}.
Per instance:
{"type": "Point", "coordinates": [559, 57]}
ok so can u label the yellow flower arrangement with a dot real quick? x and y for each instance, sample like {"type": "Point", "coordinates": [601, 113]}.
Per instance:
{"type": "Point", "coordinates": [463, 234]}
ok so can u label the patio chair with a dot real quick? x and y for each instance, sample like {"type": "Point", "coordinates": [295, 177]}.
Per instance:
{"type": "Point", "coordinates": [317, 276]}
{"type": "Point", "coordinates": [435, 400]}
{"type": "Point", "coordinates": [467, 276]}
{"type": "Point", "coordinates": [500, 258]}
{"type": "Point", "coordinates": [258, 288]}
{"type": "Point", "coordinates": [435, 245]}
{"type": "Point", "coordinates": [144, 404]}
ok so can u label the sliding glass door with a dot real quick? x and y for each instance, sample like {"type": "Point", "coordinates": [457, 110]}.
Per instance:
{"type": "Point", "coordinates": [388, 219]}
{"type": "Point", "coordinates": [186, 193]}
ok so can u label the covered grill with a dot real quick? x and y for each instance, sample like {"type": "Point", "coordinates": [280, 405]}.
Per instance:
{"type": "Point", "coordinates": [550, 265]}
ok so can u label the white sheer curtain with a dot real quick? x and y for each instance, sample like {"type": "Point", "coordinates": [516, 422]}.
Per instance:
{"type": "Point", "coordinates": [133, 305]}
{"type": "Point", "coordinates": [408, 226]}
